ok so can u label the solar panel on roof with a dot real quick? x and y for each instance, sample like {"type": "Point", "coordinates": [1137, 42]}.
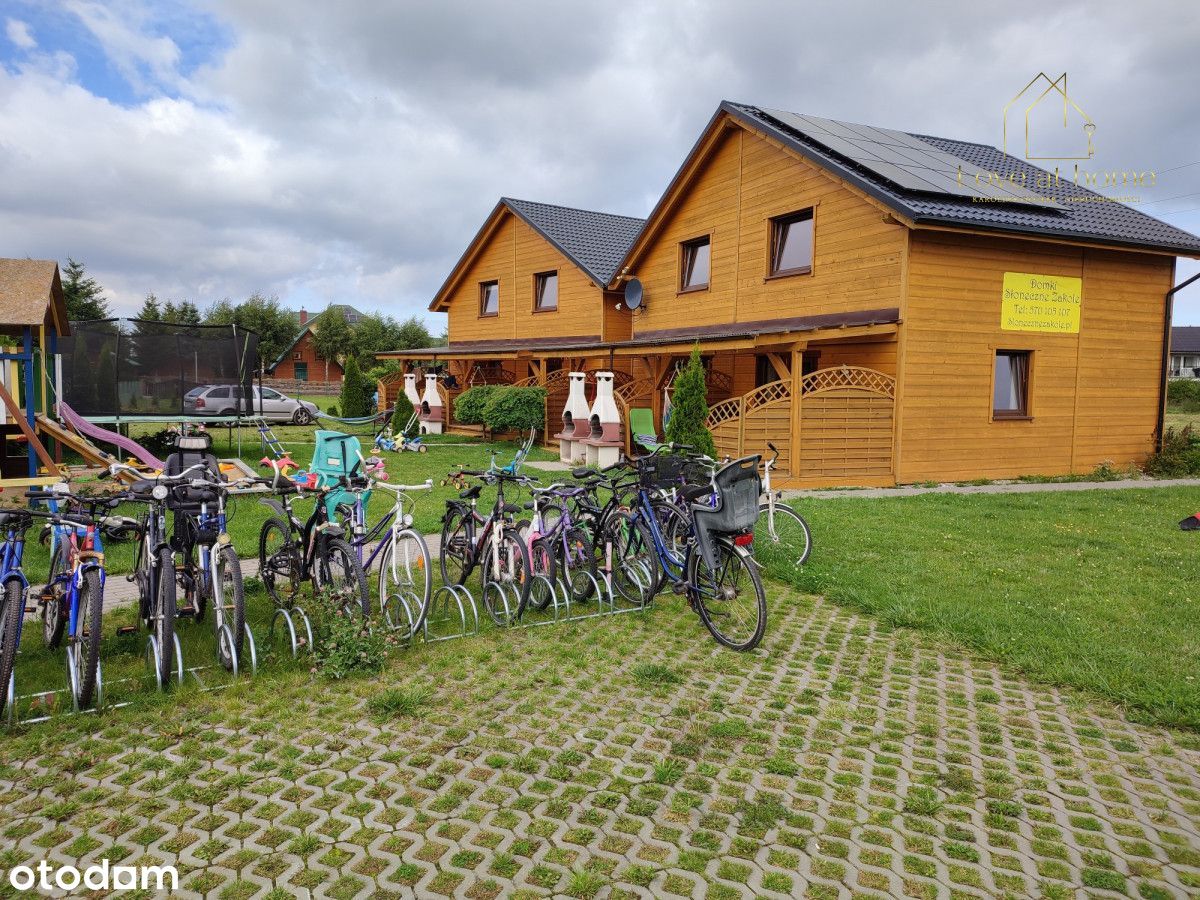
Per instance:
{"type": "Point", "coordinates": [907, 162]}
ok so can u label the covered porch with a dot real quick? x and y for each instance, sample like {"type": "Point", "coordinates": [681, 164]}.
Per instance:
{"type": "Point", "coordinates": [821, 388]}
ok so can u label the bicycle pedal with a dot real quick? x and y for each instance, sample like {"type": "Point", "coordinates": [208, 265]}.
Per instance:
{"type": "Point", "coordinates": [30, 610]}
{"type": "Point", "coordinates": [127, 629]}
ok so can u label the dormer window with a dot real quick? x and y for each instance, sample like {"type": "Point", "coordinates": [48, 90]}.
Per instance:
{"type": "Point", "coordinates": [792, 243]}
{"type": "Point", "coordinates": [694, 265]}
{"type": "Point", "coordinates": [489, 298]}
{"type": "Point", "coordinates": [545, 291]}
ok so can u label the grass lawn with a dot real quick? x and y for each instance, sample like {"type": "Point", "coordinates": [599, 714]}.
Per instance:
{"type": "Point", "coordinates": [1096, 589]}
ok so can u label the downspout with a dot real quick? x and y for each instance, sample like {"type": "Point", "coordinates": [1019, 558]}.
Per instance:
{"type": "Point", "coordinates": [1168, 311]}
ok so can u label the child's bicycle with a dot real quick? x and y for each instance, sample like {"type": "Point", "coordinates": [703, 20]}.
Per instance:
{"type": "Point", "coordinates": [780, 532]}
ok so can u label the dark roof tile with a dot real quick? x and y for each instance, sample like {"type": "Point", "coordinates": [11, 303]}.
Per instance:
{"type": "Point", "coordinates": [1185, 339]}
{"type": "Point", "coordinates": [594, 241]}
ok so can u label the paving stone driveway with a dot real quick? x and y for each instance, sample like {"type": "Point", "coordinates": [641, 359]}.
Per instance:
{"type": "Point", "coordinates": [626, 757]}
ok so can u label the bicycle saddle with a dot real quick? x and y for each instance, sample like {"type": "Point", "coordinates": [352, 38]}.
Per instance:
{"type": "Point", "coordinates": [471, 493]}
{"type": "Point", "coordinates": [511, 508]}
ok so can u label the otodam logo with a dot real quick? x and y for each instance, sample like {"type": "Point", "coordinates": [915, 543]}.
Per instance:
{"type": "Point", "coordinates": [99, 877]}
{"type": "Point", "coordinates": [1044, 124]}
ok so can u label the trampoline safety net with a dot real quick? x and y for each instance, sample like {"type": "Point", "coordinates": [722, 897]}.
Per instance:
{"type": "Point", "coordinates": [131, 367]}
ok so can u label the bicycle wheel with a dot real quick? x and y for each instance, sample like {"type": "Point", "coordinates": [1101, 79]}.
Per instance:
{"type": "Point", "coordinates": [404, 572]}
{"type": "Point", "coordinates": [340, 572]}
{"type": "Point", "coordinates": [164, 616]}
{"type": "Point", "coordinates": [543, 560]}
{"type": "Point", "coordinates": [229, 602]}
{"type": "Point", "coordinates": [580, 556]}
{"type": "Point", "coordinates": [10, 636]}
{"type": "Point", "coordinates": [630, 555]}
{"type": "Point", "coordinates": [729, 597]}
{"type": "Point", "coordinates": [454, 555]}
{"type": "Point", "coordinates": [510, 571]}
{"type": "Point", "coordinates": [674, 524]}
{"type": "Point", "coordinates": [279, 564]}
{"type": "Point", "coordinates": [87, 640]}
{"type": "Point", "coordinates": [54, 602]}
{"type": "Point", "coordinates": [785, 541]}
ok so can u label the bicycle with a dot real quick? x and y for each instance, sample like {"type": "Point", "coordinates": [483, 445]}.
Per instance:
{"type": "Point", "coordinates": [709, 560]}
{"type": "Point", "coordinates": [154, 570]}
{"type": "Point", "coordinates": [13, 589]}
{"type": "Point", "coordinates": [405, 585]}
{"type": "Point", "coordinates": [780, 531]}
{"type": "Point", "coordinates": [211, 570]}
{"type": "Point", "coordinates": [492, 543]}
{"type": "Point", "coordinates": [557, 542]}
{"type": "Point", "coordinates": [291, 552]}
{"type": "Point", "coordinates": [72, 601]}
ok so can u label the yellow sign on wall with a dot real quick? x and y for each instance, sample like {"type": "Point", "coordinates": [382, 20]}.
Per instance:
{"type": "Point", "coordinates": [1041, 303]}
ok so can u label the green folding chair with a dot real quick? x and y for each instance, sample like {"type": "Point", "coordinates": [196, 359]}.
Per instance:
{"type": "Point", "coordinates": [642, 430]}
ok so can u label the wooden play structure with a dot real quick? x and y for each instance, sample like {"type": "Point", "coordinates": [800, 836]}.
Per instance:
{"type": "Point", "coordinates": [33, 315]}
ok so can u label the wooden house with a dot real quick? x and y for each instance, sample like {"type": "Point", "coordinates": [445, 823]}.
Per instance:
{"type": "Point", "coordinates": [887, 307]}
{"type": "Point", "coordinates": [33, 315]}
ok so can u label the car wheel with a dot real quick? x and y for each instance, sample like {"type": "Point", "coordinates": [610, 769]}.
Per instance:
{"type": "Point", "coordinates": [226, 412]}
{"type": "Point", "coordinates": [302, 416]}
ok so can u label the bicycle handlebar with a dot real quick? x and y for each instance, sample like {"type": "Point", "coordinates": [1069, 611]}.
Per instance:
{"type": "Point", "coordinates": [427, 485]}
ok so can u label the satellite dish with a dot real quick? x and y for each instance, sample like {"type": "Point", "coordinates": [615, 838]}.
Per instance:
{"type": "Point", "coordinates": [633, 293]}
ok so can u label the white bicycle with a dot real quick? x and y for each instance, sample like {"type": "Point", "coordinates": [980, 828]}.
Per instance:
{"type": "Point", "coordinates": [781, 535]}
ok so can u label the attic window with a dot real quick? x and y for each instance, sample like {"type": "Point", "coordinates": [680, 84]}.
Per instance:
{"type": "Point", "coordinates": [545, 291]}
{"type": "Point", "coordinates": [489, 298]}
{"type": "Point", "coordinates": [792, 243]}
{"type": "Point", "coordinates": [693, 268]}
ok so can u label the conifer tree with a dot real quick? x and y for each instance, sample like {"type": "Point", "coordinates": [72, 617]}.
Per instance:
{"type": "Point", "coordinates": [689, 408]}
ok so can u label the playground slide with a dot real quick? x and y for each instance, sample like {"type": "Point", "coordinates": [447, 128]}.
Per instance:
{"type": "Point", "coordinates": [87, 429]}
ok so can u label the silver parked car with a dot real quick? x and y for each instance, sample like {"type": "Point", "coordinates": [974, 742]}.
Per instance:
{"type": "Point", "coordinates": [222, 400]}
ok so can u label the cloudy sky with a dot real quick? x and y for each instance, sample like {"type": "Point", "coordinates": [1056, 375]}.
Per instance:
{"type": "Point", "coordinates": [346, 152]}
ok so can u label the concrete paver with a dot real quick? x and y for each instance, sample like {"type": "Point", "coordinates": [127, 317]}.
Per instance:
{"type": "Point", "coordinates": [627, 757]}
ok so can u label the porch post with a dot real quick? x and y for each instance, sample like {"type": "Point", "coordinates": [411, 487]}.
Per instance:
{"type": "Point", "coordinates": [797, 387]}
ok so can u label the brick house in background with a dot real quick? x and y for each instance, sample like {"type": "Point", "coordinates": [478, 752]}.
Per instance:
{"type": "Point", "coordinates": [1185, 351]}
{"type": "Point", "coordinates": [300, 360]}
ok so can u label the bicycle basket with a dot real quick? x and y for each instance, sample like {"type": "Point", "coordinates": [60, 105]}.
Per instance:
{"type": "Point", "coordinates": [661, 470]}
{"type": "Point", "coordinates": [738, 490]}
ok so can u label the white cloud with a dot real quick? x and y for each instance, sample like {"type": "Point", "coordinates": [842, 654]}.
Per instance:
{"type": "Point", "coordinates": [19, 34]}
{"type": "Point", "coordinates": [338, 152]}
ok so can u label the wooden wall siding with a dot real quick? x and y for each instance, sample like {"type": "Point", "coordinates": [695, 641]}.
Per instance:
{"type": "Point", "coordinates": [746, 181]}
{"type": "Point", "coordinates": [513, 255]}
{"type": "Point", "coordinates": [1093, 396]}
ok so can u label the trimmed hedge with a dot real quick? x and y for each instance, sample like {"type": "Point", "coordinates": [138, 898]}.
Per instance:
{"type": "Point", "coordinates": [501, 407]}
{"type": "Point", "coordinates": [516, 409]}
{"type": "Point", "coordinates": [1183, 395]}
{"type": "Point", "coordinates": [471, 405]}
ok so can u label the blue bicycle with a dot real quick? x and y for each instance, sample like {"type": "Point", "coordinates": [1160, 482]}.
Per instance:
{"type": "Point", "coordinates": [12, 613]}
{"type": "Point", "coordinates": [72, 602]}
{"type": "Point", "coordinates": [700, 545]}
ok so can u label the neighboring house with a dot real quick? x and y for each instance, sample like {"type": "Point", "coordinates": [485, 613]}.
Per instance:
{"type": "Point", "coordinates": [300, 361]}
{"type": "Point", "coordinates": [859, 304]}
{"type": "Point", "coordinates": [1185, 351]}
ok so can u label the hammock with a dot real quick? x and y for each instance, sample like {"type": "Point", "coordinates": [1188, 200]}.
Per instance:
{"type": "Point", "coordinates": [358, 420]}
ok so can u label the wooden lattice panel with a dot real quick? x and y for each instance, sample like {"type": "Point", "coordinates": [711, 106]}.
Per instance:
{"type": "Point", "coordinates": [722, 412]}
{"type": "Point", "coordinates": [769, 393]}
{"type": "Point", "coordinates": [850, 377]}
{"type": "Point", "coordinates": [635, 392]}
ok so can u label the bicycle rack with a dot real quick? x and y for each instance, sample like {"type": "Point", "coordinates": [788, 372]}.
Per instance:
{"type": "Point", "coordinates": [452, 614]}
{"type": "Point", "coordinates": [154, 658]}
{"type": "Point", "coordinates": [398, 613]}
{"type": "Point", "coordinates": [73, 684]}
{"type": "Point", "coordinates": [502, 602]}
{"type": "Point", "coordinates": [253, 648]}
{"type": "Point", "coordinates": [10, 703]}
{"type": "Point", "coordinates": [287, 616]}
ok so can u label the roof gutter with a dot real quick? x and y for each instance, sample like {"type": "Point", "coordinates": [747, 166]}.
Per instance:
{"type": "Point", "coordinates": [1168, 311]}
